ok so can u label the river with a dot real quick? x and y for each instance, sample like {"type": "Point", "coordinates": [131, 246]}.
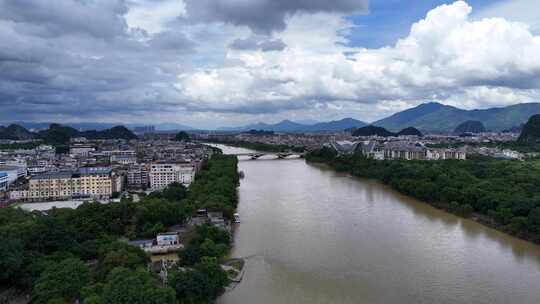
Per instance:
{"type": "Point", "coordinates": [311, 235]}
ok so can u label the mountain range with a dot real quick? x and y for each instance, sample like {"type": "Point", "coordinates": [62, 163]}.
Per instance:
{"type": "Point", "coordinates": [429, 117]}
{"type": "Point", "coordinates": [58, 135]}
{"type": "Point", "coordinates": [436, 117]}
{"type": "Point", "coordinates": [84, 126]}
{"type": "Point", "coordinates": [290, 126]}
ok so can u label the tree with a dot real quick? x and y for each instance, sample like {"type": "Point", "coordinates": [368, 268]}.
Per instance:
{"type": "Point", "coordinates": [62, 280]}
{"type": "Point", "coordinates": [175, 192]}
{"type": "Point", "coordinates": [120, 255]}
{"type": "Point", "coordinates": [182, 136]}
{"type": "Point", "coordinates": [11, 258]}
{"type": "Point", "coordinates": [201, 284]}
{"type": "Point", "coordinates": [125, 286]}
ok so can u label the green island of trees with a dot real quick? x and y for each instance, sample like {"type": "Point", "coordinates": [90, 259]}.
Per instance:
{"type": "Point", "coordinates": [499, 193]}
{"type": "Point", "coordinates": [64, 255]}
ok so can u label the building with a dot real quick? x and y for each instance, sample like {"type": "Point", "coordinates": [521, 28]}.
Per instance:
{"type": "Point", "coordinates": [163, 174]}
{"type": "Point", "coordinates": [442, 154]}
{"type": "Point", "coordinates": [404, 151]}
{"type": "Point", "coordinates": [124, 159]}
{"type": "Point", "coordinates": [168, 239]}
{"type": "Point", "coordinates": [120, 153]}
{"type": "Point", "coordinates": [216, 219]}
{"type": "Point", "coordinates": [138, 176]}
{"type": "Point", "coordinates": [81, 150]}
{"type": "Point", "coordinates": [3, 181]}
{"type": "Point", "coordinates": [96, 182]}
{"type": "Point", "coordinates": [145, 130]}
{"type": "Point", "coordinates": [13, 172]}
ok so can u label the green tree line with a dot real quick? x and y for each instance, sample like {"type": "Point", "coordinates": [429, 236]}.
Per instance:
{"type": "Point", "coordinates": [62, 255]}
{"type": "Point", "coordinates": [501, 193]}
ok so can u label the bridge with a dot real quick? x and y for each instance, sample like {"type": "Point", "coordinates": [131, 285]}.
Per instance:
{"type": "Point", "coordinates": [277, 155]}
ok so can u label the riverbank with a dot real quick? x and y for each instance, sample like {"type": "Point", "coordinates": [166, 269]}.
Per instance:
{"type": "Point", "coordinates": [496, 193]}
{"type": "Point", "coordinates": [64, 254]}
{"type": "Point", "coordinates": [295, 215]}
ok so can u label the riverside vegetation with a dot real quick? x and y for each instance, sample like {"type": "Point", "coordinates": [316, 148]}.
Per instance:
{"type": "Point", "coordinates": [500, 193]}
{"type": "Point", "coordinates": [64, 255]}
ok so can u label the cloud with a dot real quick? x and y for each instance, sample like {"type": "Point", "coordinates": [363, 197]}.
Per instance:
{"type": "Point", "coordinates": [445, 55]}
{"type": "Point", "coordinates": [514, 10]}
{"type": "Point", "coordinates": [254, 43]}
{"type": "Point", "coordinates": [243, 61]}
{"type": "Point", "coordinates": [266, 16]}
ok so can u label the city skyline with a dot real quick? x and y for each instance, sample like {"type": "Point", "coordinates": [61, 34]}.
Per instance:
{"type": "Point", "coordinates": [223, 63]}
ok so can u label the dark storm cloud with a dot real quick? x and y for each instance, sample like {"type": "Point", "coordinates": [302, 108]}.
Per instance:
{"type": "Point", "coordinates": [254, 43]}
{"type": "Point", "coordinates": [266, 16]}
{"type": "Point", "coordinates": [80, 59]}
{"type": "Point", "coordinates": [99, 18]}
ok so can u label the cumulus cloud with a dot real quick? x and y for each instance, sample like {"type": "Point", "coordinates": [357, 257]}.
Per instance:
{"type": "Point", "coordinates": [248, 61]}
{"type": "Point", "coordinates": [445, 55]}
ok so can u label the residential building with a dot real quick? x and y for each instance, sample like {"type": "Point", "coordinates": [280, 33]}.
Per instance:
{"type": "Point", "coordinates": [13, 172]}
{"type": "Point", "coordinates": [164, 174]}
{"type": "Point", "coordinates": [138, 176]}
{"type": "Point", "coordinates": [96, 182]}
{"type": "Point", "coordinates": [81, 150]}
{"type": "Point", "coordinates": [124, 159]}
{"type": "Point", "coordinates": [3, 181]}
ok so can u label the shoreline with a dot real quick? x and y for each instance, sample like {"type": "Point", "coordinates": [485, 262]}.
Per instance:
{"type": "Point", "coordinates": [481, 219]}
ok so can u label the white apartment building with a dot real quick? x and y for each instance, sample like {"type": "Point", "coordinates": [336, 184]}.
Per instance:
{"type": "Point", "coordinates": [164, 174]}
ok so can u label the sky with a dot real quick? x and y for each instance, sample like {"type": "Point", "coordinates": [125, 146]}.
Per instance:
{"type": "Point", "coordinates": [222, 63]}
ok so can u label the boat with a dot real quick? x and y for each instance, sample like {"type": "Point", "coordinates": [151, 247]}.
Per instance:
{"type": "Point", "coordinates": [237, 218]}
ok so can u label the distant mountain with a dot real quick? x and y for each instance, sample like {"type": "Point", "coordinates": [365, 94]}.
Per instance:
{"type": "Point", "coordinates": [372, 131]}
{"type": "Point", "coordinates": [15, 132]}
{"type": "Point", "coordinates": [290, 126]}
{"type": "Point", "coordinates": [99, 126]}
{"type": "Point", "coordinates": [436, 117]}
{"type": "Point", "coordinates": [168, 127]}
{"type": "Point", "coordinates": [337, 125]}
{"type": "Point", "coordinates": [470, 126]}
{"type": "Point", "coordinates": [58, 134]}
{"type": "Point", "coordinates": [118, 132]}
{"type": "Point", "coordinates": [531, 131]}
{"type": "Point", "coordinates": [410, 131]}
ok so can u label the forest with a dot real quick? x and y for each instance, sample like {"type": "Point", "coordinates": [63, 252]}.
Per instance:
{"type": "Point", "coordinates": [500, 193]}
{"type": "Point", "coordinates": [64, 255]}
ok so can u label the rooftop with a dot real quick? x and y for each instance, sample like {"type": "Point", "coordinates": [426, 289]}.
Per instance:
{"type": "Point", "coordinates": [94, 170]}
{"type": "Point", "coordinates": [54, 175]}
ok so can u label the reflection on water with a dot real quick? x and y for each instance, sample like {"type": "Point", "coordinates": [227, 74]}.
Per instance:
{"type": "Point", "coordinates": [316, 236]}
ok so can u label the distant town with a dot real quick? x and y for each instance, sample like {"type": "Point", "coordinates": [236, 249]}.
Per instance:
{"type": "Point", "coordinates": [103, 169]}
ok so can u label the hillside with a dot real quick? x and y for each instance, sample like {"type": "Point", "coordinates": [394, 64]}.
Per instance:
{"type": "Point", "coordinates": [436, 117]}
{"type": "Point", "coordinates": [371, 131]}
{"type": "Point", "coordinates": [15, 132]}
{"type": "Point", "coordinates": [58, 134]}
{"type": "Point", "coordinates": [470, 126]}
{"type": "Point", "coordinates": [531, 131]}
{"type": "Point", "coordinates": [290, 126]}
{"type": "Point", "coordinates": [410, 131]}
